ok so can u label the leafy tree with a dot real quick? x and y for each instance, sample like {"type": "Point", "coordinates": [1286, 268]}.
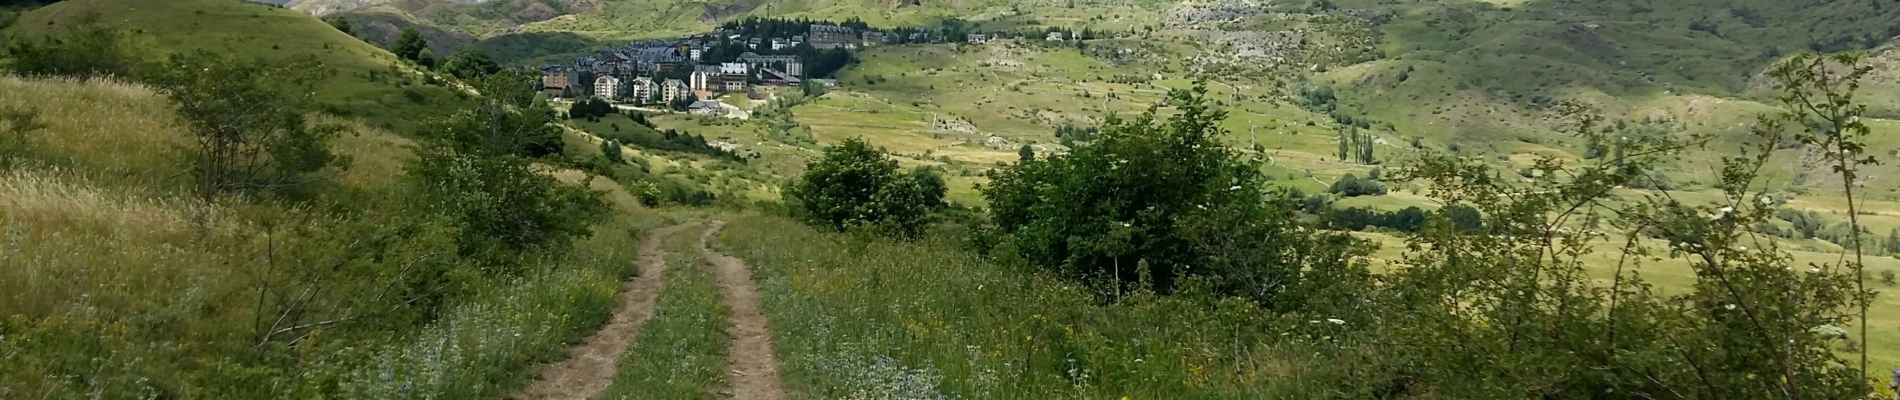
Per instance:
{"type": "Point", "coordinates": [681, 103]}
{"type": "Point", "coordinates": [248, 120]}
{"type": "Point", "coordinates": [1893, 241]}
{"type": "Point", "coordinates": [426, 58]}
{"type": "Point", "coordinates": [510, 119]}
{"type": "Point", "coordinates": [1351, 186]}
{"type": "Point", "coordinates": [476, 169]}
{"type": "Point", "coordinates": [857, 185]}
{"type": "Point", "coordinates": [470, 63]}
{"type": "Point", "coordinates": [1026, 153]}
{"type": "Point", "coordinates": [612, 151]}
{"type": "Point", "coordinates": [1153, 202]}
{"type": "Point", "coordinates": [341, 24]}
{"type": "Point", "coordinates": [409, 44]}
{"type": "Point", "coordinates": [590, 108]}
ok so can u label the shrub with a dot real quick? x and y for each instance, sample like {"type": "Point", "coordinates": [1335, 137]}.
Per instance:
{"type": "Point", "coordinates": [857, 185]}
{"type": "Point", "coordinates": [1351, 186]}
{"type": "Point", "coordinates": [252, 135]}
{"type": "Point", "coordinates": [475, 170]}
{"type": "Point", "coordinates": [1154, 202]}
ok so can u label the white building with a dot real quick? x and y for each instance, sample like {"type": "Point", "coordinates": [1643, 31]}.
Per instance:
{"type": "Point", "coordinates": [704, 78]}
{"type": "Point", "coordinates": [673, 89]}
{"type": "Point", "coordinates": [607, 87]}
{"type": "Point", "coordinates": [644, 90]}
{"type": "Point", "coordinates": [732, 68]}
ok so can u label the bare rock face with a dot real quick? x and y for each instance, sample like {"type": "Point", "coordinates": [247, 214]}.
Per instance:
{"type": "Point", "coordinates": [1216, 12]}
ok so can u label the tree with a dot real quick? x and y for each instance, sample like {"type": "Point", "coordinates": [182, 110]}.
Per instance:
{"type": "Point", "coordinates": [1160, 201]}
{"type": "Point", "coordinates": [248, 120]}
{"type": "Point", "coordinates": [470, 63]}
{"type": "Point", "coordinates": [409, 44]}
{"type": "Point", "coordinates": [857, 185]}
{"type": "Point", "coordinates": [341, 24]}
{"type": "Point", "coordinates": [611, 150]}
{"type": "Point", "coordinates": [1026, 153]}
{"type": "Point", "coordinates": [1352, 186]}
{"type": "Point", "coordinates": [476, 169]}
{"type": "Point", "coordinates": [426, 58]}
{"type": "Point", "coordinates": [509, 119]}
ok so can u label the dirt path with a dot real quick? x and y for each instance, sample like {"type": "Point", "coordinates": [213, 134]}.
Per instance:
{"type": "Point", "coordinates": [754, 373]}
{"type": "Point", "coordinates": [590, 364]}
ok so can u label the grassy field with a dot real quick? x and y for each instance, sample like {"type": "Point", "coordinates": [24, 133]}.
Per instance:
{"type": "Point", "coordinates": [120, 283]}
{"type": "Point", "coordinates": [856, 318]}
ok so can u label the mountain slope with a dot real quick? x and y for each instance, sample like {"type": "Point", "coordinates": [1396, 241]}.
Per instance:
{"type": "Point", "coordinates": [364, 81]}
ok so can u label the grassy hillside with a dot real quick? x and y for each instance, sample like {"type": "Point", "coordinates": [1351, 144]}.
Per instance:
{"type": "Point", "coordinates": [362, 81]}
{"type": "Point", "coordinates": [121, 284]}
{"type": "Point", "coordinates": [125, 280]}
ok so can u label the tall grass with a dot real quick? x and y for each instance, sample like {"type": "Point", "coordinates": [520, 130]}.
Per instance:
{"type": "Point", "coordinates": [681, 351]}
{"type": "Point", "coordinates": [874, 319]}
{"type": "Point", "coordinates": [114, 283]}
{"type": "Point", "coordinates": [121, 133]}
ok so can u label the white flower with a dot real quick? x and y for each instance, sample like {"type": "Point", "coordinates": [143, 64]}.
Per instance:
{"type": "Point", "coordinates": [1726, 210]}
{"type": "Point", "coordinates": [1336, 321]}
{"type": "Point", "coordinates": [1236, 187]}
{"type": "Point", "coordinates": [1814, 270]}
{"type": "Point", "coordinates": [1765, 200]}
{"type": "Point", "coordinates": [1728, 306]}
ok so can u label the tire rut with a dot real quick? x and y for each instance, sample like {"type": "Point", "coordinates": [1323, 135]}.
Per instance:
{"type": "Point", "coordinates": [590, 365]}
{"type": "Point", "coordinates": [753, 370]}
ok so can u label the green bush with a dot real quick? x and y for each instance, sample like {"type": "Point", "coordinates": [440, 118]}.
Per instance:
{"type": "Point", "coordinates": [249, 122]}
{"type": "Point", "coordinates": [1152, 201]}
{"type": "Point", "coordinates": [856, 185]}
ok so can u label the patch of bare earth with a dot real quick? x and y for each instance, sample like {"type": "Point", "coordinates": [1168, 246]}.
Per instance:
{"type": "Point", "coordinates": [754, 373]}
{"type": "Point", "coordinates": [590, 365]}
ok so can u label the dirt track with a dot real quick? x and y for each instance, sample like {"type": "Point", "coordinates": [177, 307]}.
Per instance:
{"type": "Point", "coordinates": [590, 365]}
{"type": "Point", "coordinates": [754, 370]}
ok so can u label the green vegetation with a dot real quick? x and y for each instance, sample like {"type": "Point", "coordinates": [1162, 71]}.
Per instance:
{"type": "Point", "coordinates": [854, 186]}
{"type": "Point", "coordinates": [1512, 199]}
{"type": "Point", "coordinates": [216, 234]}
{"type": "Point", "coordinates": [358, 80]}
{"type": "Point", "coordinates": [681, 351]}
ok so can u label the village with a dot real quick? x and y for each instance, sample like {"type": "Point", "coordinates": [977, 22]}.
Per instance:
{"type": "Point", "coordinates": [754, 59]}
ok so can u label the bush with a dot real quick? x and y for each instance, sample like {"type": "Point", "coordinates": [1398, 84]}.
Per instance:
{"type": "Point", "coordinates": [1153, 202]}
{"type": "Point", "coordinates": [857, 185]}
{"type": "Point", "coordinates": [1352, 186]}
{"type": "Point", "coordinates": [476, 171]}
{"type": "Point", "coordinates": [248, 118]}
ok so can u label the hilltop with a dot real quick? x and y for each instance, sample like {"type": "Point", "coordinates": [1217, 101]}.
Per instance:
{"type": "Point", "coordinates": [361, 80]}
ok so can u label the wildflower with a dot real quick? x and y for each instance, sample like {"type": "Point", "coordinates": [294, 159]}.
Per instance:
{"type": "Point", "coordinates": [1728, 307]}
{"type": "Point", "coordinates": [1814, 270]}
{"type": "Point", "coordinates": [1236, 187]}
{"type": "Point", "coordinates": [1336, 321]}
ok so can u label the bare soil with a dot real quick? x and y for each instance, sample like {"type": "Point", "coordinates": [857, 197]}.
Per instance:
{"type": "Point", "coordinates": [754, 373]}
